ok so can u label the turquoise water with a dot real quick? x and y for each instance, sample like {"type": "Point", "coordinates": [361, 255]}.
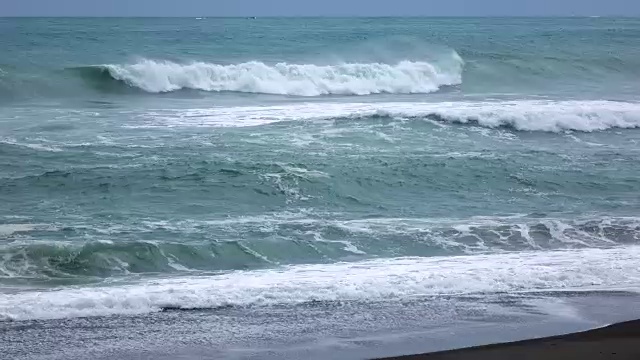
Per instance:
{"type": "Point", "coordinates": [196, 163]}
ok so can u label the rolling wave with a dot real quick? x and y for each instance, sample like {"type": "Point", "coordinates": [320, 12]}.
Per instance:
{"type": "Point", "coordinates": [380, 279]}
{"type": "Point", "coordinates": [404, 77]}
{"type": "Point", "coordinates": [525, 115]}
{"type": "Point", "coordinates": [314, 240]}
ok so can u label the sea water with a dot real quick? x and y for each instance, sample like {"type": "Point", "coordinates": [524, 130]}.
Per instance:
{"type": "Point", "coordinates": [255, 165]}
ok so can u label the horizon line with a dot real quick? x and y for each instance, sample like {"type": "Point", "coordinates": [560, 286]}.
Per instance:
{"type": "Point", "coordinates": [313, 16]}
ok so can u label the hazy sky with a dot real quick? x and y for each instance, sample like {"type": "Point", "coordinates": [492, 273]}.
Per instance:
{"type": "Point", "coordinates": [316, 7]}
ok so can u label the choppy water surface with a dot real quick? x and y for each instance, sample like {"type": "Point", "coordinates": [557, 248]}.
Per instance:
{"type": "Point", "coordinates": [150, 164]}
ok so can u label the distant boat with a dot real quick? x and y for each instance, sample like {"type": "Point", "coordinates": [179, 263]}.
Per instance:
{"type": "Point", "coordinates": [198, 18]}
{"type": "Point", "coordinates": [252, 17]}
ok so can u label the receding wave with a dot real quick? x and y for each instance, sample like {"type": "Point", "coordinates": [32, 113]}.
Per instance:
{"type": "Point", "coordinates": [526, 115]}
{"type": "Point", "coordinates": [404, 77]}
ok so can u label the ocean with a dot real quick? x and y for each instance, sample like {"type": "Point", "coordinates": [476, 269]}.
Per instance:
{"type": "Point", "coordinates": [314, 187]}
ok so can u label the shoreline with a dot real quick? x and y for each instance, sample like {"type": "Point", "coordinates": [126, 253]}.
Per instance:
{"type": "Point", "coordinates": [616, 341]}
{"type": "Point", "coordinates": [351, 331]}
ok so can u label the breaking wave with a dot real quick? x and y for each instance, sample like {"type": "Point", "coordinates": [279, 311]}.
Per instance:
{"type": "Point", "coordinates": [381, 280]}
{"type": "Point", "coordinates": [404, 77]}
{"type": "Point", "coordinates": [314, 240]}
{"type": "Point", "coordinates": [525, 115]}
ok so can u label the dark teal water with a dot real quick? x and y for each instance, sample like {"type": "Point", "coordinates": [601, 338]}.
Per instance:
{"type": "Point", "coordinates": [196, 163]}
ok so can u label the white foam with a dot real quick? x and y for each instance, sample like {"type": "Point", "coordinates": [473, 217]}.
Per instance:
{"type": "Point", "coordinates": [348, 246]}
{"type": "Point", "coordinates": [529, 115]}
{"type": "Point", "coordinates": [382, 279]}
{"type": "Point", "coordinates": [10, 229]}
{"type": "Point", "coordinates": [405, 77]}
{"type": "Point", "coordinates": [40, 147]}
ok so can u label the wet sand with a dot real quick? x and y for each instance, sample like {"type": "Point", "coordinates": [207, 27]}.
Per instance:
{"type": "Point", "coordinates": [618, 341]}
{"type": "Point", "coordinates": [336, 331]}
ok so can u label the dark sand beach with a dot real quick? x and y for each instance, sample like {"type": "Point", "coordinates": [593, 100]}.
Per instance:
{"type": "Point", "coordinates": [618, 341]}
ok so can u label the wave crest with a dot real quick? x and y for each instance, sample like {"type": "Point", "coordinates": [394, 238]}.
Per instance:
{"type": "Point", "coordinates": [100, 258]}
{"type": "Point", "coordinates": [404, 77]}
{"type": "Point", "coordinates": [521, 115]}
{"type": "Point", "coordinates": [379, 279]}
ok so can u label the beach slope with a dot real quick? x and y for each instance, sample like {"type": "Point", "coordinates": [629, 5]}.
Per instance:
{"type": "Point", "coordinates": [618, 341]}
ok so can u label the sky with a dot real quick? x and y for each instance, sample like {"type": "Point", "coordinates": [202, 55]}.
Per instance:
{"type": "Point", "coordinates": [319, 7]}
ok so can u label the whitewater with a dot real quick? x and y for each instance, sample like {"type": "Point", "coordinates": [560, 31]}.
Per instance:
{"type": "Point", "coordinates": [287, 188]}
{"type": "Point", "coordinates": [381, 280]}
{"type": "Point", "coordinates": [405, 77]}
{"type": "Point", "coordinates": [525, 115]}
